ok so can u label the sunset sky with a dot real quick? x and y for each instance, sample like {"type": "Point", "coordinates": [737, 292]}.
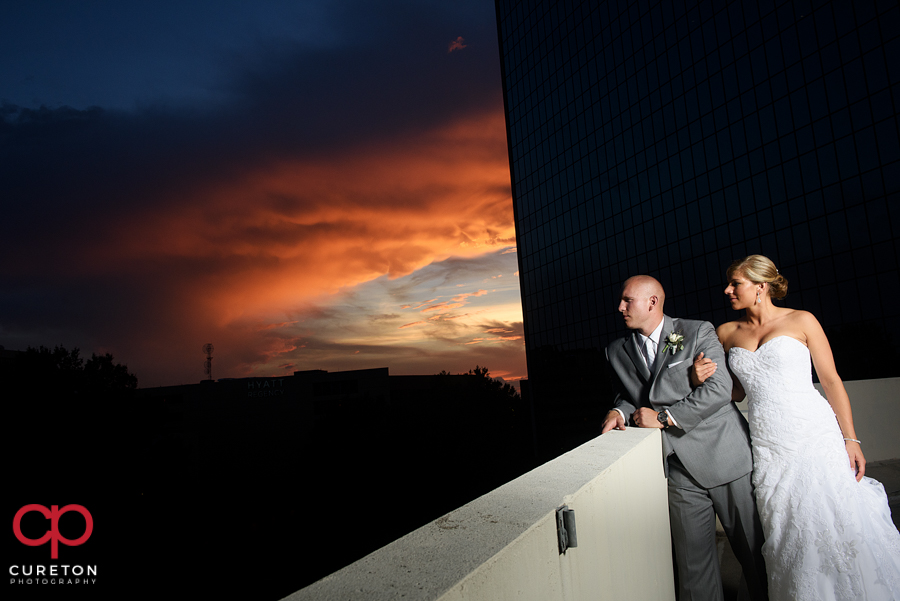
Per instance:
{"type": "Point", "coordinates": [305, 185]}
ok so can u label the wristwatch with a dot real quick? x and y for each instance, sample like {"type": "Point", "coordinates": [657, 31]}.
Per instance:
{"type": "Point", "coordinates": [663, 418]}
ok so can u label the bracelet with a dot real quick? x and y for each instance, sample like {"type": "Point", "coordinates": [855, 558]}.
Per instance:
{"type": "Point", "coordinates": [853, 440]}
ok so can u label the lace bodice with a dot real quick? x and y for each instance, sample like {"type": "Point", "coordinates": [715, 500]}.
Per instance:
{"type": "Point", "coordinates": [778, 371]}
{"type": "Point", "coordinates": [782, 361]}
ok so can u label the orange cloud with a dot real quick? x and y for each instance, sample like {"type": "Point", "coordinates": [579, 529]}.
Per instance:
{"type": "Point", "coordinates": [459, 300]}
{"type": "Point", "coordinates": [494, 339]}
{"type": "Point", "coordinates": [420, 305]}
{"type": "Point", "coordinates": [271, 326]}
{"type": "Point", "coordinates": [289, 232]}
{"type": "Point", "coordinates": [240, 260]}
{"type": "Point", "coordinates": [462, 297]}
{"type": "Point", "coordinates": [442, 307]}
{"type": "Point", "coordinates": [457, 44]}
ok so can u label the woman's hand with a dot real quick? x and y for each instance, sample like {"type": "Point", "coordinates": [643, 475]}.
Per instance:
{"type": "Point", "coordinates": [702, 369]}
{"type": "Point", "coordinates": [857, 460]}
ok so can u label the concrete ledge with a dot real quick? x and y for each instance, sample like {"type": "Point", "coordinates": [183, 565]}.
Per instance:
{"type": "Point", "coordinates": [874, 402]}
{"type": "Point", "coordinates": [504, 545]}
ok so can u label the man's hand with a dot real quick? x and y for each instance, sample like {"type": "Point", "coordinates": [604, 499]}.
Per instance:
{"type": "Point", "coordinates": [646, 418]}
{"type": "Point", "coordinates": [613, 421]}
{"type": "Point", "coordinates": [857, 461]}
{"type": "Point", "coordinates": [702, 370]}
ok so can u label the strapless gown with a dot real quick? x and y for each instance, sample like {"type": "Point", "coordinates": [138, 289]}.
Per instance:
{"type": "Point", "coordinates": [827, 535]}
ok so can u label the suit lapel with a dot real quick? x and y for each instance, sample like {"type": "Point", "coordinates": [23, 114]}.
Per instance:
{"type": "Point", "coordinates": [633, 350]}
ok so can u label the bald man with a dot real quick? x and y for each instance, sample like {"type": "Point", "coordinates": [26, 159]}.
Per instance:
{"type": "Point", "coordinates": [706, 440]}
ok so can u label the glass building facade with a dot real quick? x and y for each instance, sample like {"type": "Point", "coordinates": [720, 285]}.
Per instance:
{"type": "Point", "coordinates": [671, 137]}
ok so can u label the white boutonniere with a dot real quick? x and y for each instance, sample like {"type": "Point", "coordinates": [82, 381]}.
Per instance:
{"type": "Point", "coordinates": [674, 342]}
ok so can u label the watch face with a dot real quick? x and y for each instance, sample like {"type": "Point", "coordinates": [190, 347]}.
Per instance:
{"type": "Point", "coordinates": [663, 418]}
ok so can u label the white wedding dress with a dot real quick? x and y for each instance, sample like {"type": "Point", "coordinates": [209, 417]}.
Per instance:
{"type": "Point", "coordinates": [827, 535]}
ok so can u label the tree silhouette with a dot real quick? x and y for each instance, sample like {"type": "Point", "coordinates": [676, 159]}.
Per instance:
{"type": "Point", "coordinates": [61, 406]}
{"type": "Point", "coordinates": [496, 388]}
{"type": "Point", "coordinates": [102, 375]}
{"type": "Point", "coordinates": [72, 436]}
{"type": "Point", "coordinates": [57, 374]}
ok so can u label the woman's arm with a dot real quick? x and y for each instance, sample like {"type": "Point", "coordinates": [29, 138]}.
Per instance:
{"type": "Point", "coordinates": [704, 367]}
{"type": "Point", "coordinates": [823, 361]}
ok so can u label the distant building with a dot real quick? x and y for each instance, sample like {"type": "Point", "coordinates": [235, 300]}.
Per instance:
{"type": "Point", "coordinates": [322, 393]}
{"type": "Point", "coordinates": [297, 402]}
{"type": "Point", "coordinates": [245, 416]}
{"type": "Point", "coordinates": [671, 138]}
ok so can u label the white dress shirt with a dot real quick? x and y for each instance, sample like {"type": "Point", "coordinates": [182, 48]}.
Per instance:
{"type": "Point", "coordinates": [653, 341]}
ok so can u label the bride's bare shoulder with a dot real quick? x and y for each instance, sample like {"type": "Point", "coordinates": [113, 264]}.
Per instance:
{"type": "Point", "coordinates": [725, 330]}
{"type": "Point", "coordinates": [800, 317]}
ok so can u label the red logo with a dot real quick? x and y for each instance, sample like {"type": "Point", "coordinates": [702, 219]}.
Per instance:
{"type": "Point", "coordinates": [53, 534]}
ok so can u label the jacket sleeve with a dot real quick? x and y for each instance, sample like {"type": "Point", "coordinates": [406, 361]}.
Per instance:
{"type": "Point", "coordinates": [703, 401]}
{"type": "Point", "coordinates": [622, 401]}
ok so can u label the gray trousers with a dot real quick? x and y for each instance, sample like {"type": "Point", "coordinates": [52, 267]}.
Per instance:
{"type": "Point", "coordinates": [692, 515]}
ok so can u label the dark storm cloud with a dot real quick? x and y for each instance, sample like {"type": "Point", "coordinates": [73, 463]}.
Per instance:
{"type": "Point", "coordinates": [67, 173]}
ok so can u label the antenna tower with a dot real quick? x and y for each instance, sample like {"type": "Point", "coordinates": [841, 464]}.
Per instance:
{"type": "Point", "coordinates": [208, 349]}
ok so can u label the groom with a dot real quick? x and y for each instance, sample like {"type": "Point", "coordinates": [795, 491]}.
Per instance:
{"type": "Point", "coordinates": [706, 440]}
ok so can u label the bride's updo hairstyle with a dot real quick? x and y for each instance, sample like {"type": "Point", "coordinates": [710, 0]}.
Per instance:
{"type": "Point", "coordinates": [759, 269]}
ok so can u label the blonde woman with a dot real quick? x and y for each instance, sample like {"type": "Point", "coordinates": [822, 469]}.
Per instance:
{"type": "Point", "coordinates": [828, 529]}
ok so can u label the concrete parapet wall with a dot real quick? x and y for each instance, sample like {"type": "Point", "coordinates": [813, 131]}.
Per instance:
{"type": "Point", "coordinates": [874, 404]}
{"type": "Point", "coordinates": [504, 545]}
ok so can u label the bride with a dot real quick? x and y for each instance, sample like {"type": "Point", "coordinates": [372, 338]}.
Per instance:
{"type": "Point", "coordinates": [828, 529]}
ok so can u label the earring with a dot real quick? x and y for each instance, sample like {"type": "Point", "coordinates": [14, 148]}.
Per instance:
{"type": "Point", "coordinates": [758, 300]}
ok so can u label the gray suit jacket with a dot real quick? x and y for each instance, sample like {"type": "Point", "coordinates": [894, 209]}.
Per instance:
{"type": "Point", "coordinates": [713, 438]}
